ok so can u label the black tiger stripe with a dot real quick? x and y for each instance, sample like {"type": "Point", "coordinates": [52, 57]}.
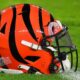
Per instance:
{"type": "Point", "coordinates": [41, 22]}
{"type": "Point", "coordinates": [51, 18]}
{"type": "Point", "coordinates": [0, 19]}
{"type": "Point", "coordinates": [12, 43]}
{"type": "Point", "coordinates": [3, 28]}
{"type": "Point", "coordinates": [0, 16]}
{"type": "Point", "coordinates": [26, 18]}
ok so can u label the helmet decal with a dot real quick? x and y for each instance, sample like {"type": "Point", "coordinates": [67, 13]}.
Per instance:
{"type": "Point", "coordinates": [26, 18]}
{"type": "Point", "coordinates": [3, 29]}
{"type": "Point", "coordinates": [41, 22]}
{"type": "Point", "coordinates": [12, 43]}
{"type": "Point", "coordinates": [32, 58]}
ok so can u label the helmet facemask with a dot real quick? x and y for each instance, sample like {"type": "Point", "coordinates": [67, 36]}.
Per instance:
{"type": "Point", "coordinates": [64, 49]}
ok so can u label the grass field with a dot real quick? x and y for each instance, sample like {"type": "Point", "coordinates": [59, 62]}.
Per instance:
{"type": "Point", "coordinates": [68, 12]}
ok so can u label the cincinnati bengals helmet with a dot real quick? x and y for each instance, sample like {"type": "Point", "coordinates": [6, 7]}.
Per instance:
{"type": "Point", "coordinates": [32, 41]}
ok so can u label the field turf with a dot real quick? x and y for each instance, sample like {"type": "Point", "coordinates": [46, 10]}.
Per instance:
{"type": "Point", "coordinates": [68, 12]}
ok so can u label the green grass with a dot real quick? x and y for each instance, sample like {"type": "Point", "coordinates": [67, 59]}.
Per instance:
{"type": "Point", "coordinates": [31, 77]}
{"type": "Point", "coordinates": [68, 12]}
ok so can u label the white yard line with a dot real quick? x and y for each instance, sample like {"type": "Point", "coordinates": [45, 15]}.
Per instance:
{"type": "Point", "coordinates": [71, 75]}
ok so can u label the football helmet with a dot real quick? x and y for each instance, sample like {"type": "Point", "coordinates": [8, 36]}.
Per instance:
{"type": "Point", "coordinates": [32, 41]}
